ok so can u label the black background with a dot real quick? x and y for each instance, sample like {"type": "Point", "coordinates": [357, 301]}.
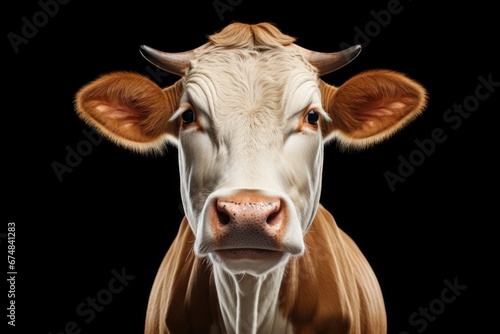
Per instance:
{"type": "Point", "coordinates": [119, 211]}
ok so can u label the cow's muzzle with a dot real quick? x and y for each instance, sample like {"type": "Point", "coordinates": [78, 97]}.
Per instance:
{"type": "Point", "coordinates": [248, 225]}
{"type": "Point", "coordinates": [250, 231]}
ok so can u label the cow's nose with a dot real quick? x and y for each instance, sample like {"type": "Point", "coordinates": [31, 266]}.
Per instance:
{"type": "Point", "coordinates": [234, 211]}
{"type": "Point", "coordinates": [251, 214]}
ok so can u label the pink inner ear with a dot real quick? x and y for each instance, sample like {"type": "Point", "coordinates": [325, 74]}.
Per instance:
{"type": "Point", "coordinates": [118, 116]}
{"type": "Point", "coordinates": [385, 110]}
{"type": "Point", "coordinates": [111, 111]}
{"type": "Point", "coordinates": [115, 111]}
{"type": "Point", "coordinates": [375, 115]}
{"type": "Point", "coordinates": [379, 116]}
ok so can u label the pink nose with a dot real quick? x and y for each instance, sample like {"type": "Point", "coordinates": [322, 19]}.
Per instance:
{"type": "Point", "coordinates": [250, 220]}
{"type": "Point", "coordinates": [257, 212]}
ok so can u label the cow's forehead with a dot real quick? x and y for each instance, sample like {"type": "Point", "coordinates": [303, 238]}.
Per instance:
{"type": "Point", "coordinates": [224, 80]}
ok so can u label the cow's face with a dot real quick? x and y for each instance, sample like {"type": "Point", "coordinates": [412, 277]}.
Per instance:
{"type": "Point", "coordinates": [250, 153]}
{"type": "Point", "coordinates": [250, 124]}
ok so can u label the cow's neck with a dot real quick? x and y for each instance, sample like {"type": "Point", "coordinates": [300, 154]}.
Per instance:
{"type": "Point", "coordinates": [250, 304]}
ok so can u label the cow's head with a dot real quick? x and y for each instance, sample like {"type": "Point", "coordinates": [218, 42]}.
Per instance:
{"type": "Point", "coordinates": [250, 117]}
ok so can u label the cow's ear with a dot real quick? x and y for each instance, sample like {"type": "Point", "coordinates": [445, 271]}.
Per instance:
{"type": "Point", "coordinates": [130, 110]}
{"type": "Point", "coordinates": [370, 107]}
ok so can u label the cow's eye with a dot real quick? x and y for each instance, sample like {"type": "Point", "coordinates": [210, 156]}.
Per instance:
{"type": "Point", "coordinates": [312, 117]}
{"type": "Point", "coordinates": [188, 116]}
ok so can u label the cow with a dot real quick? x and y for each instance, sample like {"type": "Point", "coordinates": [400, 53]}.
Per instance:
{"type": "Point", "coordinates": [256, 252]}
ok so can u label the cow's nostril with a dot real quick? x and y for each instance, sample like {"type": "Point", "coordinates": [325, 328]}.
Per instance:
{"type": "Point", "coordinates": [275, 218]}
{"type": "Point", "coordinates": [222, 217]}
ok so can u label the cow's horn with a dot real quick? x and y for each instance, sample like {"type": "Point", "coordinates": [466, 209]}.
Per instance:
{"type": "Point", "coordinates": [174, 63]}
{"type": "Point", "coordinates": [329, 62]}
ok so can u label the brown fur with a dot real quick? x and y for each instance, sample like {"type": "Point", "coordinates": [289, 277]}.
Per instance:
{"type": "Point", "coordinates": [183, 298]}
{"type": "Point", "coordinates": [330, 289]}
